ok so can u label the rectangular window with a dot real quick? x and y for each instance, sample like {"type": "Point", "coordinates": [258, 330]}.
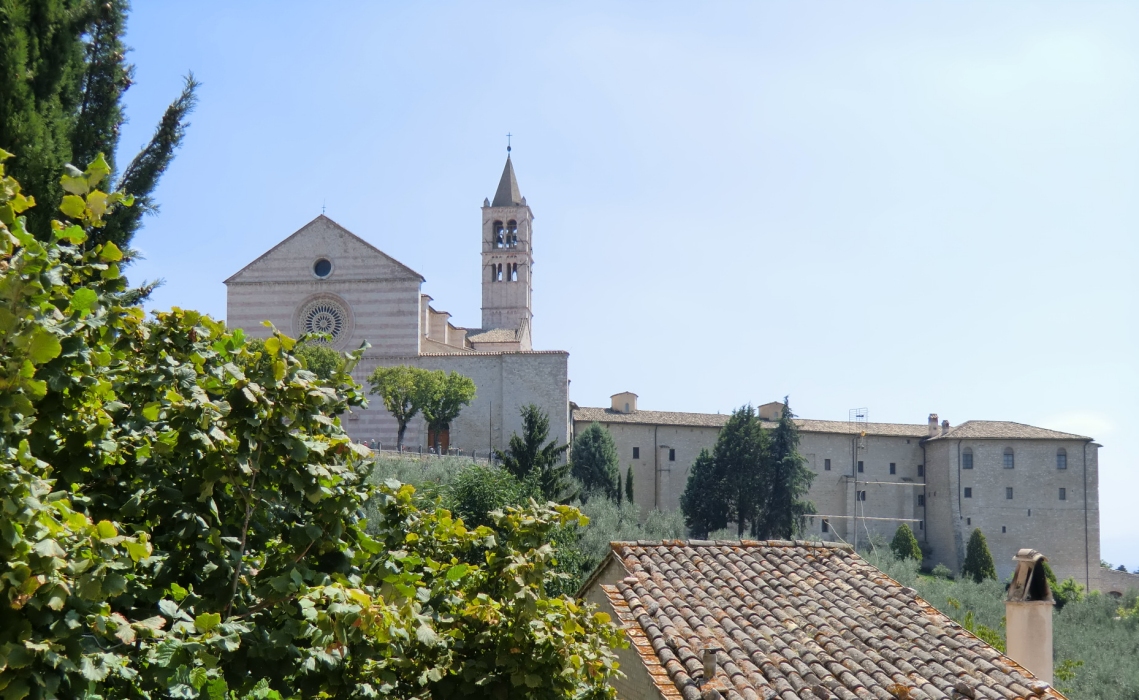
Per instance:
{"type": "Point", "coordinates": [862, 495]}
{"type": "Point", "coordinates": [1061, 460]}
{"type": "Point", "coordinates": [671, 454]}
{"type": "Point", "coordinates": [968, 521]}
{"type": "Point", "coordinates": [967, 460]}
{"type": "Point", "coordinates": [921, 501]}
{"type": "Point", "coordinates": [1008, 493]}
{"type": "Point", "coordinates": [1063, 494]}
{"type": "Point", "coordinates": [921, 523]}
{"type": "Point", "coordinates": [1009, 463]}
{"type": "Point", "coordinates": [893, 468]}
{"type": "Point", "coordinates": [826, 465]}
{"type": "Point", "coordinates": [826, 526]}
{"type": "Point", "coordinates": [921, 470]}
{"type": "Point", "coordinates": [968, 492]}
{"type": "Point", "coordinates": [1004, 529]}
{"type": "Point", "coordinates": [636, 453]}
{"type": "Point", "coordinates": [860, 467]}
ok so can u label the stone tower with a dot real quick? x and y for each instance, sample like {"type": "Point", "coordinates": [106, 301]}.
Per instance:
{"type": "Point", "coordinates": [507, 260]}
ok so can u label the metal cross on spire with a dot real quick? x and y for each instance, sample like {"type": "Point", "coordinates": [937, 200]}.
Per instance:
{"type": "Point", "coordinates": [508, 144]}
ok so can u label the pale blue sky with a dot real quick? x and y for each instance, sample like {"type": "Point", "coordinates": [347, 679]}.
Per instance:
{"type": "Point", "coordinates": [915, 207]}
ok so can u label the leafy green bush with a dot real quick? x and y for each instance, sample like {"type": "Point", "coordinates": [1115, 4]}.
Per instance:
{"type": "Point", "coordinates": [183, 515]}
{"type": "Point", "coordinates": [905, 545]}
{"type": "Point", "coordinates": [594, 462]}
{"type": "Point", "coordinates": [479, 490]}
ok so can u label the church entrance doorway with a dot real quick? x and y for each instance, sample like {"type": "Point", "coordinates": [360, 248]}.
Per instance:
{"type": "Point", "coordinates": [444, 439]}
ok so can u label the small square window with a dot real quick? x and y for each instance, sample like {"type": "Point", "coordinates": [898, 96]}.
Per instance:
{"type": "Point", "coordinates": [826, 526]}
{"type": "Point", "coordinates": [1008, 493]}
{"type": "Point", "coordinates": [968, 492]}
{"type": "Point", "coordinates": [636, 453]}
{"type": "Point", "coordinates": [921, 501]}
{"type": "Point", "coordinates": [893, 468]}
{"type": "Point", "coordinates": [1063, 494]}
{"type": "Point", "coordinates": [921, 470]}
{"type": "Point", "coordinates": [826, 465]}
{"type": "Point", "coordinates": [671, 454]}
{"type": "Point", "coordinates": [860, 468]}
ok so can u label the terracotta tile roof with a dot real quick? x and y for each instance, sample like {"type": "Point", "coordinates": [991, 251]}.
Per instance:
{"type": "Point", "coordinates": [797, 620]}
{"type": "Point", "coordinates": [981, 429]}
{"type": "Point", "coordinates": [716, 420]}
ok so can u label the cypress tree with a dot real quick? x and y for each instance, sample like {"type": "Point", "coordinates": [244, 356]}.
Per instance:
{"type": "Point", "coordinates": [704, 502]}
{"type": "Point", "coordinates": [788, 479]}
{"type": "Point", "coordinates": [629, 485]}
{"type": "Point", "coordinates": [63, 73]}
{"type": "Point", "coordinates": [595, 462]}
{"type": "Point", "coordinates": [729, 485]}
{"type": "Point", "coordinates": [905, 545]}
{"type": "Point", "coordinates": [978, 561]}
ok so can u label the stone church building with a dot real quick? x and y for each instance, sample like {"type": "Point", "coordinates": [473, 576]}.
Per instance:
{"type": "Point", "coordinates": [324, 278]}
{"type": "Point", "coordinates": [1023, 486]}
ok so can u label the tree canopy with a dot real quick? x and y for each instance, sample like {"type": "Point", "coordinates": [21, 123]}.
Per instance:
{"type": "Point", "coordinates": [782, 510]}
{"type": "Point", "coordinates": [594, 462]}
{"type": "Point", "coordinates": [905, 545]}
{"type": "Point", "coordinates": [185, 514]}
{"type": "Point", "coordinates": [445, 396]}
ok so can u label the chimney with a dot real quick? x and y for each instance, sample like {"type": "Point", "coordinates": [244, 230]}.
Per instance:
{"type": "Point", "coordinates": [932, 424]}
{"type": "Point", "coordinates": [944, 426]}
{"type": "Point", "coordinates": [1028, 615]}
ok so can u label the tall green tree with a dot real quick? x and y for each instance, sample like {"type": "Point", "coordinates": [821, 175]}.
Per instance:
{"type": "Point", "coordinates": [594, 462]}
{"type": "Point", "coordinates": [446, 394]}
{"type": "Point", "coordinates": [531, 458]}
{"type": "Point", "coordinates": [783, 511]}
{"type": "Point", "coordinates": [732, 486]}
{"type": "Point", "coordinates": [705, 503]}
{"type": "Point", "coordinates": [629, 485]}
{"type": "Point", "coordinates": [404, 391]}
{"type": "Point", "coordinates": [905, 545]}
{"type": "Point", "coordinates": [978, 560]}
{"type": "Point", "coordinates": [63, 72]}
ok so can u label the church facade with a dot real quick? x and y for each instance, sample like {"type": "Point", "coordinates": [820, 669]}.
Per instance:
{"type": "Point", "coordinates": [324, 278]}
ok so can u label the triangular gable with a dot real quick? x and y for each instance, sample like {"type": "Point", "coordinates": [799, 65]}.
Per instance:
{"type": "Point", "coordinates": [352, 256]}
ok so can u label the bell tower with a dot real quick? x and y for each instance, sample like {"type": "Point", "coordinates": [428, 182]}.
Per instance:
{"type": "Point", "coordinates": [507, 259]}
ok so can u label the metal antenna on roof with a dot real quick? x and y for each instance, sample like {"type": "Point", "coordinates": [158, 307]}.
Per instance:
{"type": "Point", "coordinates": [508, 145]}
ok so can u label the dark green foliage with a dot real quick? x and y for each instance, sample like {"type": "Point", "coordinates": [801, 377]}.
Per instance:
{"type": "Point", "coordinates": [530, 458]}
{"type": "Point", "coordinates": [905, 545]}
{"type": "Point", "coordinates": [704, 502]}
{"type": "Point", "coordinates": [63, 72]}
{"type": "Point", "coordinates": [594, 462]}
{"type": "Point", "coordinates": [782, 512]}
{"type": "Point", "coordinates": [978, 560]}
{"type": "Point", "coordinates": [479, 490]}
{"type": "Point", "coordinates": [629, 485]}
{"type": "Point", "coordinates": [404, 390]}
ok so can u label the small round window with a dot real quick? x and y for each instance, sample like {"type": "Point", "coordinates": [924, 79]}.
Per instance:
{"type": "Point", "coordinates": [322, 268]}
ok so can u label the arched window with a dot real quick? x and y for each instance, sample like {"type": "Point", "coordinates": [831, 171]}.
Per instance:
{"type": "Point", "coordinates": [967, 458]}
{"type": "Point", "coordinates": [499, 272]}
{"type": "Point", "coordinates": [514, 272]}
{"type": "Point", "coordinates": [1008, 458]}
{"type": "Point", "coordinates": [499, 239]}
{"type": "Point", "coordinates": [511, 233]}
{"type": "Point", "coordinates": [1061, 458]}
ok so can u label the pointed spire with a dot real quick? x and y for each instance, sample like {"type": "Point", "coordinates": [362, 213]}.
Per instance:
{"type": "Point", "coordinates": [507, 194]}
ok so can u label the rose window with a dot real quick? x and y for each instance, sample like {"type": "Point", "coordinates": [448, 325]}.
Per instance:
{"type": "Point", "coordinates": [324, 317]}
